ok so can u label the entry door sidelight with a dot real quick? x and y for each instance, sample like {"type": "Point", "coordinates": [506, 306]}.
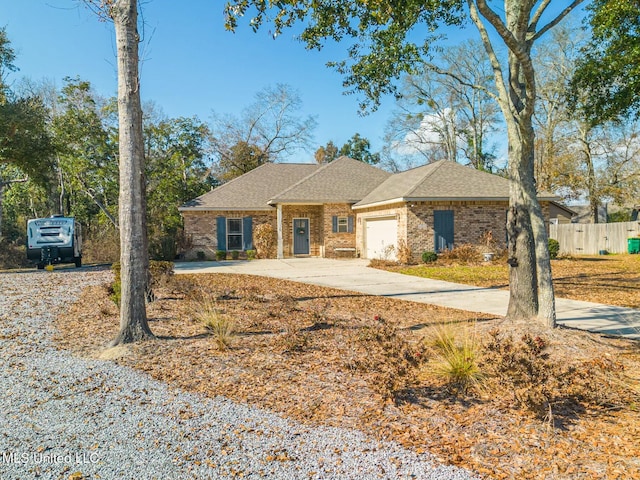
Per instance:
{"type": "Point", "coordinates": [301, 236]}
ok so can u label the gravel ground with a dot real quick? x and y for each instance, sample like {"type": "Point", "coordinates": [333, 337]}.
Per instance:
{"type": "Point", "coordinates": [62, 415]}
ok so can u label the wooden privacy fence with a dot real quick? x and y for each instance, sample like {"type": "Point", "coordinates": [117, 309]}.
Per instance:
{"type": "Point", "coordinates": [591, 239]}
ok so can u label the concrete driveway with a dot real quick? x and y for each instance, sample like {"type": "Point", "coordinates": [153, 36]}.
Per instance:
{"type": "Point", "coordinates": [356, 276]}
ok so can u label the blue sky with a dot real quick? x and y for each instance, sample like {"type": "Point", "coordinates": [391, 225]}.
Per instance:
{"type": "Point", "coordinates": [190, 64]}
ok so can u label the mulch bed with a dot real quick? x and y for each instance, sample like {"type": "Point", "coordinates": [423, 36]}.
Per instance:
{"type": "Point", "coordinates": [302, 351]}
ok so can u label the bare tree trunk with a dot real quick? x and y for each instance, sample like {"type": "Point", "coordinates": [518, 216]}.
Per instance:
{"type": "Point", "coordinates": [594, 197]}
{"type": "Point", "coordinates": [539, 270]}
{"type": "Point", "coordinates": [62, 189]}
{"type": "Point", "coordinates": [523, 286]}
{"type": "Point", "coordinates": [538, 267]}
{"type": "Point", "coordinates": [3, 186]}
{"type": "Point", "coordinates": [133, 241]}
{"type": "Point", "coordinates": [531, 287]}
{"type": "Point", "coordinates": [546, 294]}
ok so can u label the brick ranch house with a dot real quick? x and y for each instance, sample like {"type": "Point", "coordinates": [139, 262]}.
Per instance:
{"type": "Point", "coordinates": [350, 208]}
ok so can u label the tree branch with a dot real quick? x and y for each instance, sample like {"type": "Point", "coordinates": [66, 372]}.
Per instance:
{"type": "Point", "coordinates": [503, 95]}
{"type": "Point", "coordinates": [533, 25]}
{"type": "Point", "coordinates": [494, 19]}
{"type": "Point", "coordinates": [4, 183]}
{"type": "Point", "coordinates": [553, 22]}
{"type": "Point", "coordinates": [460, 80]}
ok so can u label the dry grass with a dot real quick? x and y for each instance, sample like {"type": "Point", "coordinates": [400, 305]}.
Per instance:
{"type": "Point", "coordinates": [220, 326]}
{"type": "Point", "coordinates": [456, 356]}
{"type": "Point", "coordinates": [358, 370]}
{"type": "Point", "coordinates": [611, 279]}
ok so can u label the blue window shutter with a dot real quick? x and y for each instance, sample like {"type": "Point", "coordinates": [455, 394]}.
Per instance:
{"type": "Point", "coordinates": [443, 228]}
{"type": "Point", "coordinates": [221, 227]}
{"type": "Point", "coordinates": [247, 233]}
{"type": "Point", "coordinates": [334, 224]}
{"type": "Point", "coordinates": [350, 224]}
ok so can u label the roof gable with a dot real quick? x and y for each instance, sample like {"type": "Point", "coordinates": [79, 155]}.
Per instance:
{"type": "Point", "coordinates": [344, 180]}
{"type": "Point", "coordinates": [442, 180]}
{"type": "Point", "coordinates": [254, 189]}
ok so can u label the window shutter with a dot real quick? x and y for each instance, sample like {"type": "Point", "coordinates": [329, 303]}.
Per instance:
{"type": "Point", "coordinates": [334, 224]}
{"type": "Point", "coordinates": [350, 224]}
{"type": "Point", "coordinates": [247, 233]}
{"type": "Point", "coordinates": [221, 232]}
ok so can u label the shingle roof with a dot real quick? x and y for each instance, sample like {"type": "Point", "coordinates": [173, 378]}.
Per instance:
{"type": "Point", "coordinates": [349, 181]}
{"type": "Point", "coordinates": [442, 180]}
{"type": "Point", "coordinates": [344, 180]}
{"type": "Point", "coordinates": [253, 190]}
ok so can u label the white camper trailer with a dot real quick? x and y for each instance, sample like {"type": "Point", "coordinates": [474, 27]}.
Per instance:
{"type": "Point", "coordinates": [54, 240]}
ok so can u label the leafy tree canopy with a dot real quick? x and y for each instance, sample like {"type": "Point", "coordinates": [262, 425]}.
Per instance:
{"type": "Point", "coordinates": [24, 141]}
{"type": "Point", "coordinates": [327, 153]}
{"type": "Point", "coordinates": [357, 148]}
{"type": "Point", "coordinates": [606, 83]}
{"type": "Point", "coordinates": [385, 46]}
{"type": "Point", "coordinates": [7, 57]}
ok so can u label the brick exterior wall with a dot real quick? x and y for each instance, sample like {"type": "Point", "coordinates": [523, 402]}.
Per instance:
{"type": "Point", "coordinates": [201, 230]}
{"type": "Point", "coordinates": [333, 241]}
{"type": "Point", "coordinates": [415, 225]}
{"type": "Point", "coordinates": [471, 220]}
{"type": "Point", "coordinates": [314, 214]}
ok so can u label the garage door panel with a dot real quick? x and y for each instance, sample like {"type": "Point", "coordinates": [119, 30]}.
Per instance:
{"type": "Point", "coordinates": [381, 237]}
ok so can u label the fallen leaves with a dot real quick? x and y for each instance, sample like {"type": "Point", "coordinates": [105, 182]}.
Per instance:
{"type": "Point", "coordinates": [313, 384]}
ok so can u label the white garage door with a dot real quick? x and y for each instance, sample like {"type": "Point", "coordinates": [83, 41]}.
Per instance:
{"type": "Point", "coordinates": [381, 236]}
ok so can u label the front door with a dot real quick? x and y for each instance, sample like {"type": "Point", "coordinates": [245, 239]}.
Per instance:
{"type": "Point", "coordinates": [301, 236]}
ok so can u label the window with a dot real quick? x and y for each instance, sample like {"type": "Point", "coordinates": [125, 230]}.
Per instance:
{"type": "Point", "coordinates": [342, 224]}
{"type": "Point", "coordinates": [234, 234]}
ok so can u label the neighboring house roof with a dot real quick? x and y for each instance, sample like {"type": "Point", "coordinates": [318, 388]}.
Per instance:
{"type": "Point", "coordinates": [344, 180]}
{"type": "Point", "coordinates": [569, 212]}
{"type": "Point", "coordinates": [253, 190]}
{"type": "Point", "coordinates": [442, 180]}
{"type": "Point", "coordinates": [583, 214]}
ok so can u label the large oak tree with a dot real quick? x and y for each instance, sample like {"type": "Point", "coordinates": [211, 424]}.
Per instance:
{"type": "Point", "coordinates": [392, 37]}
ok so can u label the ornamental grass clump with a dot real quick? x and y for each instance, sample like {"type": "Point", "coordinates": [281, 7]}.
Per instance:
{"type": "Point", "coordinates": [220, 326]}
{"type": "Point", "coordinates": [456, 357]}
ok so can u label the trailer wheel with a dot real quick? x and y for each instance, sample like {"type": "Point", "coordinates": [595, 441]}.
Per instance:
{"type": "Point", "coordinates": [78, 261]}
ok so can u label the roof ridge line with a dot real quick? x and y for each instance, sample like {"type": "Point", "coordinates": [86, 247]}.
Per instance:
{"type": "Point", "coordinates": [252, 170]}
{"type": "Point", "coordinates": [316, 171]}
{"type": "Point", "coordinates": [229, 182]}
{"type": "Point", "coordinates": [320, 167]}
{"type": "Point", "coordinates": [435, 166]}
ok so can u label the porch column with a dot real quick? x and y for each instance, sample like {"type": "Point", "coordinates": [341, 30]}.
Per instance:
{"type": "Point", "coordinates": [280, 240]}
